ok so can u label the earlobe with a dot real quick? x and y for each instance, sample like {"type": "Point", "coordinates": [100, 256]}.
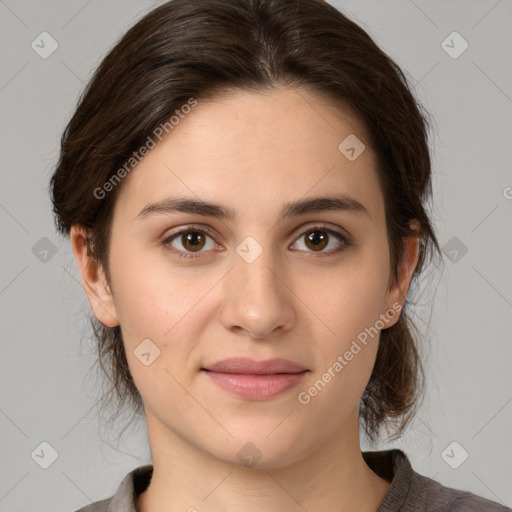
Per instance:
{"type": "Point", "coordinates": [397, 294]}
{"type": "Point", "coordinates": [93, 277]}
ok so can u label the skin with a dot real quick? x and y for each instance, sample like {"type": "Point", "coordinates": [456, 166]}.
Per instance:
{"type": "Point", "coordinates": [252, 152]}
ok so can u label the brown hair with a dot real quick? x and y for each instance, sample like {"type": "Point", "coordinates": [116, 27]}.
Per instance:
{"type": "Point", "coordinates": [200, 49]}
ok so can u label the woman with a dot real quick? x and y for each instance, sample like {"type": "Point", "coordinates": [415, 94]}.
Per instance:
{"type": "Point", "coordinates": [244, 187]}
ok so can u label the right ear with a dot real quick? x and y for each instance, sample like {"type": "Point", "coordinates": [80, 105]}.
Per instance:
{"type": "Point", "coordinates": [93, 279]}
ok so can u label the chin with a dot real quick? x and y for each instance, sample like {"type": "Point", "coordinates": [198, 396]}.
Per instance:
{"type": "Point", "coordinates": [261, 452]}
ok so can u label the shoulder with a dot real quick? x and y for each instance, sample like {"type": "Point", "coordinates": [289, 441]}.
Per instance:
{"type": "Point", "coordinates": [135, 482]}
{"type": "Point", "coordinates": [432, 496]}
{"type": "Point", "coordinates": [98, 506]}
{"type": "Point", "coordinates": [413, 492]}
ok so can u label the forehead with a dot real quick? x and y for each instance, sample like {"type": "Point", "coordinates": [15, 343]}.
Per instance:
{"type": "Point", "coordinates": [249, 150]}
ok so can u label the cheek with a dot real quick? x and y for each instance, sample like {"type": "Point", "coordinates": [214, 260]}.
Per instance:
{"type": "Point", "coordinates": [149, 296]}
{"type": "Point", "coordinates": [351, 297]}
{"type": "Point", "coordinates": [157, 302]}
{"type": "Point", "coordinates": [350, 306]}
{"type": "Point", "coordinates": [351, 309]}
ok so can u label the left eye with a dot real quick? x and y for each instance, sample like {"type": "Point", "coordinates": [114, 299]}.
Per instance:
{"type": "Point", "coordinates": [318, 238]}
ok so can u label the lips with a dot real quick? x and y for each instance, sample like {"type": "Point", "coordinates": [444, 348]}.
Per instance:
{"type": "Point", "coordinates": [255, 380]}
{"type": "Point", "coordinates": [246, 366]}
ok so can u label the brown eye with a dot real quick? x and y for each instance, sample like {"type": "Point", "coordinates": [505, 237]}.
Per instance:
{"type": "Point", "coordinates": [317, 240]}
{"type": "Point", "coordinates": [186, 242]}
{"type": "Point", "coordinates": [193, 240]}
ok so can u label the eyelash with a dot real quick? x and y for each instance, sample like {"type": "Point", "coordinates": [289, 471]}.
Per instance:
{"type": "Point", "coordinates": [191, 229]}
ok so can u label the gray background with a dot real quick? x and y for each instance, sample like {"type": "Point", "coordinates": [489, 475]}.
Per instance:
{"type": "Point", "coordinates": [47, 393]}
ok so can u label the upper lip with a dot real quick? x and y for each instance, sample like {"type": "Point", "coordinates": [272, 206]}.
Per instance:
{"type": "Point", "coordinates": [245, 365]}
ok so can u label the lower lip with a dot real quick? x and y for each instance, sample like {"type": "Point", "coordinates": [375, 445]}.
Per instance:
{"type": "Point", "coordinates": [256, 387]}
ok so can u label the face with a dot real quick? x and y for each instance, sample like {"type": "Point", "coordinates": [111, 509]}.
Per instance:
{"type": "Point", "coordinates": [307, 284]}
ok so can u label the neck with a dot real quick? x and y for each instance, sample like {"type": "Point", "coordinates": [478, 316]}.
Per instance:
{"type": "Point", "coordinates": [334, 477]}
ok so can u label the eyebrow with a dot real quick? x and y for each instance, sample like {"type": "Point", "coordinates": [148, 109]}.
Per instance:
{"type": "Point", "coordinates": [294, 209]}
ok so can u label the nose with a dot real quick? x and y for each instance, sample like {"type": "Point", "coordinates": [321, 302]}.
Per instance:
{"type": "Point", "coordinates": [258, 300]}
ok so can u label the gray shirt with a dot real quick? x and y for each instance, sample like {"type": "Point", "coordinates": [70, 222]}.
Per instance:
{"type": "Point", "coordinates": [409, 491]}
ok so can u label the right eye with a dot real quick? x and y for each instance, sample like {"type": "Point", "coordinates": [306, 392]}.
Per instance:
{"type": "Point", "coordinates": [191, 240]}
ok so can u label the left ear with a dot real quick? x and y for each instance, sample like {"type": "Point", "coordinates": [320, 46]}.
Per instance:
{"type": "Point", "coordinates": [397, 293]}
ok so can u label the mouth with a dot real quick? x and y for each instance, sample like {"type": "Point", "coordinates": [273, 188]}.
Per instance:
{"type": "Point", "coordinates": [255, 380]}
